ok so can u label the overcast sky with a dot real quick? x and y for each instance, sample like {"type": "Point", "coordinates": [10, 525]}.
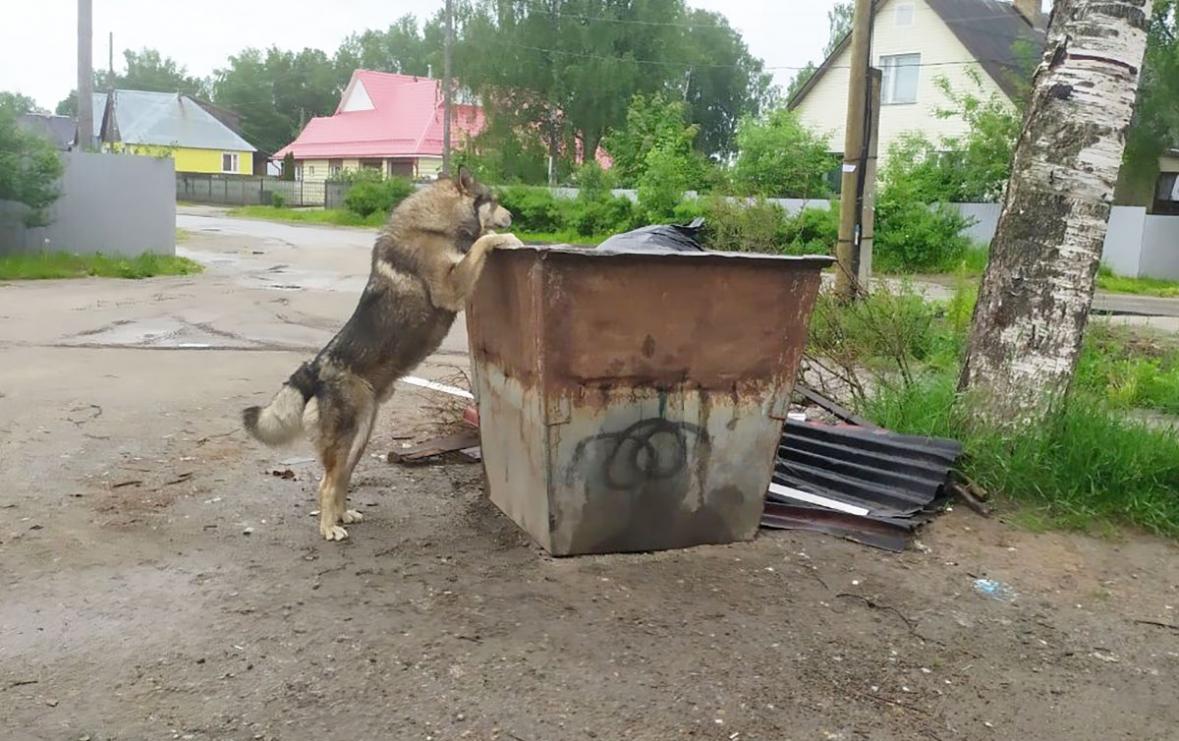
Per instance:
{"type": "Point", "coordinates": [37, 37]}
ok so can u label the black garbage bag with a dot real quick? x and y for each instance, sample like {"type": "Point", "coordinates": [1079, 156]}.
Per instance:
{"type": "Point", "coordinates": [657, 238]}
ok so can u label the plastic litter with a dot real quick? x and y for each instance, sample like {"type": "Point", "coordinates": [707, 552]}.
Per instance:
{"type": "Point", "coordinates": [996, 590]}
{"type": "Point", "coordinates": [658, 238]}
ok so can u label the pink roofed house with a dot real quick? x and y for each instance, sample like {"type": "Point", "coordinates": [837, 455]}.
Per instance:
{"type": "Point", "coordinates": [386, 122]}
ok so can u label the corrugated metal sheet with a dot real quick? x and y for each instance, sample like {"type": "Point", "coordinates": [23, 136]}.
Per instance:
{"type": "Point", "coordinates": [895, 481]}
{"type": "Point", "coordinates": [891, 475]}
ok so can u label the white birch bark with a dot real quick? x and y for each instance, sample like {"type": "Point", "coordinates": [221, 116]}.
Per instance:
{"type": "Point", "coordinates": [1034, 302]}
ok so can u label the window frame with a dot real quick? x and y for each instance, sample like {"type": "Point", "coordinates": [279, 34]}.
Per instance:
{"type": "Point", "coordinates": [888, 83]}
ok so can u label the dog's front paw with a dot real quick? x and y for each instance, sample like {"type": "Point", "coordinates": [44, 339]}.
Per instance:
{"type": "Point", "coordinates": [333, 532]}
{"type": "Point", "coordinates": [507, 241]}
{"type": "Point", "coordinates": [350, 516]}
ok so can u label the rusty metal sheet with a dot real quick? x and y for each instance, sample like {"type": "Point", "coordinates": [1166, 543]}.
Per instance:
{"type": "Point", "coordinates": [634, 402]}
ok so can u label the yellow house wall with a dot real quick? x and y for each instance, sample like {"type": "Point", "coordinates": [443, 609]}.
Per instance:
{"type": "Point", "coordinates": [188, 159]}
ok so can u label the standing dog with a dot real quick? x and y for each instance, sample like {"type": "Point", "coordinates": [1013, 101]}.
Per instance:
{"type": "Point", "coordinates": [424, 265]}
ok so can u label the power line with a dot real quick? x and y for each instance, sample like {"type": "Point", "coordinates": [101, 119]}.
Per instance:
{"type": "Point", "coordinates": [666, 63]}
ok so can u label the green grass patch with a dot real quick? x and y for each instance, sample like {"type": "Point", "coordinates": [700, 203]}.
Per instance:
{"type": "Point", "coordinates": [182, 236]}
{"type": "Point", "coordinates": [1129, 370]}
{"type": "Point", "coordinates": [563, 237]}
{"type": "Point", "coordinates": [1085, 467]}
{"type": "Point", "coordinates": [48, 265]}
{"type": "Point", "coordinates": [323, 216]}
{"type": "Point", "coordinates": [1107, 281]}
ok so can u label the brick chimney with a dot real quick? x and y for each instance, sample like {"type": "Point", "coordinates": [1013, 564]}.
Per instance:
{"type": "Point", "coordinates": [1030, 10]}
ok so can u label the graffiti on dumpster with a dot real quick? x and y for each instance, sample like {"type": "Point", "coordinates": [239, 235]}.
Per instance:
{"type": "Point", "coordinates": [649, 450]}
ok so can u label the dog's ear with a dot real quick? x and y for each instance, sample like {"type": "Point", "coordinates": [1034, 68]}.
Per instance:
{"type": "Point", "coordinates": [466, 181]}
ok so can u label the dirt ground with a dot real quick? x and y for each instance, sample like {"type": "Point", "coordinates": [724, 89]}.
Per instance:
{"type": "Point", "coordinates": [134, 605]}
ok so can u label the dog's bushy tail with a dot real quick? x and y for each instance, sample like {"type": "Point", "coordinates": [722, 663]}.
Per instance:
{"type": "Point", "coordinates": [281, 421]}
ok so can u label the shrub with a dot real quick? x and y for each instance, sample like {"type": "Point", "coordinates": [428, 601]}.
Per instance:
{"type": "Point", "coordinates": [372, 195]}
{"type": "Point", "coordinates": [607, 216]}
{"type": "Point", "coordinates": [780, 156]}
{"type": "Point", "coordinates": [812, 231]}
{"type": "Point", "coordinates": [912, 236]}
{"type": "Point", "coordinates": [661, 186]}
{"type": "Point", "coordinates": [278, 200]}
{"type": "Point", "coordinates": [758, 226]}
{"type": "Point", "coordinates": [533, 209]}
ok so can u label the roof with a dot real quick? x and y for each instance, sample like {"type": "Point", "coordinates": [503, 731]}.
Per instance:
{"type": "Point", "coordinates": [991, 30]}
{"type": "Point", "coordinates": [61, 130]}
{"type": "Point", "coordinates": [384, 115]}
{"type": "Point", "coordinates": [164, 119]}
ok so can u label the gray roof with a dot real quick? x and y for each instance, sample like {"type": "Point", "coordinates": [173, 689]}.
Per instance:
{"type": "Point", "coordinates": [993, 31]}
{"type": "Point", "coordinates": [61, 130]}
{"type": "Point", "coordinates": [164, 119]}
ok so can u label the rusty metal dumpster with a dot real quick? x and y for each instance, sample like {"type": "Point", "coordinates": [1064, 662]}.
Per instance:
{"type": "Point", "coordinates": [634, 402]}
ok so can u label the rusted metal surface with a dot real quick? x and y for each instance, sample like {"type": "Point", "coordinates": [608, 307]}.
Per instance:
{"type": "Point", "coordinates": [634, 402]}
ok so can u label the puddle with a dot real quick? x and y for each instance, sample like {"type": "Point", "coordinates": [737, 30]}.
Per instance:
{"type": "Point", "coordinates": [159, 332]}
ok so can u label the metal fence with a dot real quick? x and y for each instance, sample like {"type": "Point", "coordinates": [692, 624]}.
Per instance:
{"type": "Point", "coordinates": [247, 190]}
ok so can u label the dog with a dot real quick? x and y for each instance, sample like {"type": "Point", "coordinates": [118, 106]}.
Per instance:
{"type": "Point", "coordinates": [425, 263]}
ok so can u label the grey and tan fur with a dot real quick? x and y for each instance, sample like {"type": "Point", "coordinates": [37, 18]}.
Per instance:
{"type": "Point", "coordinates": [424, 265]}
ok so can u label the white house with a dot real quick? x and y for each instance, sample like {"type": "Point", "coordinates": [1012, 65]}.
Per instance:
{"type": "Point", "coordinates": [916, 42]}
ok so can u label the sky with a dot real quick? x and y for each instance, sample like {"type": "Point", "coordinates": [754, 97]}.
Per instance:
{"type": "Point", "coordinates": [38, 39]}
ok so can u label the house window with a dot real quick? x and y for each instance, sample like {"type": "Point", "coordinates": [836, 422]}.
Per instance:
{"type": "Point", "coordinates": [298, 172]}
{"type": "Point", "coordinates": [229, 162]}
{"type": "Point", "coordinates": [900, 78]}
{"type": "Point", "coordinates": [335, 167]}
{"type": "Point", "coordinates": [904, 14]}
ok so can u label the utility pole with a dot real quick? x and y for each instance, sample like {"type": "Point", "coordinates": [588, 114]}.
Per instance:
{"type": "Point", "coordinates": [447, 86]}
{"type": "Point", "coordinates": [85, 75]}
{"type": "Point", "coordinates": [866, 193]}
{"type": "Point", "coordinates": [110, 61]}
{"type": "Point", "coordinates": [854, 154]}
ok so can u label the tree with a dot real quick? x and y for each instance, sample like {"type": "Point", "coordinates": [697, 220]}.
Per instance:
{"type": "Point", "coordinates": [652, 122]}
{"type": "Point", "coordinates": [1156, 121]}
{"type": "Point", "coordinates": [779, 156]}
{"type": "Point", "coordinates": [569, 68]}
{"type": "Point", "coordinates": [1034, 302]}
{"type": "Point", "coordinates": [725, 84]}
{"type": "Point", "coordinates": [30, 169]}
{"type": "Point", "coordinates": [276, 92]}
{"type": "Point", "coordinates": [18, 104]}
{"type": "Point", "coordinates": [401, 48]}
{"type": "Point", "coordinates": [839, 25]}
{"type": "Point", "coordinates": [148, 70]}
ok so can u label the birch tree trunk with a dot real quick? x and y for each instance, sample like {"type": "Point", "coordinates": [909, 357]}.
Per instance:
{"type": "Point", "coordinates": [1034, 302]}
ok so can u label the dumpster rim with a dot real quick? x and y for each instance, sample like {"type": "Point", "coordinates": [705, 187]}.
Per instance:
{"type": "Point", "coordinates": [821, 261]}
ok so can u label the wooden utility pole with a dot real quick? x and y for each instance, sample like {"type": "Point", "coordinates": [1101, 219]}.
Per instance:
{"type": "Point", "coordinates": [1034, 302]}
{"type": "Point", "coordinates": [447, 87]}
{"type": "Point", "coordinates": [85, 75]}
{"type": "Point", "coordinates": [850, 232]}
{"type": "Point", "coordinates": [110, 60]}
{"type": "Point", "coordinates": [866, 193]}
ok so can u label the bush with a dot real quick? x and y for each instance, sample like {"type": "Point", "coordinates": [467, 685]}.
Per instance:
{"type": "Point", "coordinates": [912, 236]}
{"type": "Point", "coordinates": [780, 156]}
{"type": "Point", "coordinates": [600, 217]}
{"type": "Point", "coordinates": [278, 200]}
{"type": "Point", "coordinates": [812, 231]}
{"type": "Point", "coordinates": [370, 195]}
{"type": "Point", "coordinates": [532, 209]}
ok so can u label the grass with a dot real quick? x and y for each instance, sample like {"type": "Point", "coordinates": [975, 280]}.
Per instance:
{"type": "Point", "coordinates": [47, 265]}
{"type": "Point", "coordinates": [1092, 465]}
{"type": "Point", "coordinates": [1084, 468]}
{"type": "Point", "coordinates": [565, 237]}
{"type": "Point", "coordinates": [1107, 281]}
{"type": "Point", "coordinates": [325, 216]}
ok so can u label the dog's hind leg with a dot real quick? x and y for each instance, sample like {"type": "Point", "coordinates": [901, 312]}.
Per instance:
{"type": "Point", "coordinates": [367, 418]}
{"type": "Point", "coordinates": [335, 478]}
